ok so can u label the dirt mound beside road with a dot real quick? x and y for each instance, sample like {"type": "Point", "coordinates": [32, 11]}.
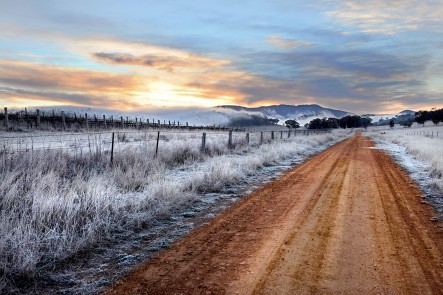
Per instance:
{"type": "Point", "coordinates": [348, 221]}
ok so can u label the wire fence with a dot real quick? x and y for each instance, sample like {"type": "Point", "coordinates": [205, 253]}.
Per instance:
{"type": "Point", "coordinates": [150, 142]}
{"type": "Point", "coordinates": [24, 120]}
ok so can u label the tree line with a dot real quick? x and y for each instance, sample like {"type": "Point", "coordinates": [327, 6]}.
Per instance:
{"type": "Point", "coordinates": [434, 115]}
{"type": "Point", "coordinates": [333, 123]}
{"type": "Point", "coordinates": [353, 121]}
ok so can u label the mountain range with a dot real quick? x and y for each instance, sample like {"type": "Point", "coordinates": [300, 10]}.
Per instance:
{"type": "Point", "coordinates": [301, 113]}
{"type": "Point", "coordinates": [231, 115]}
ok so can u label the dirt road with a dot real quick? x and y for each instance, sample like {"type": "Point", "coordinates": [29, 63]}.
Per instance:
{"type": "Point", "coordinates": [348, 221]}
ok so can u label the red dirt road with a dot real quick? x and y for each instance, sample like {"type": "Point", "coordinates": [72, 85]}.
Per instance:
{"type": "Point", "coordinates": [348, 221]}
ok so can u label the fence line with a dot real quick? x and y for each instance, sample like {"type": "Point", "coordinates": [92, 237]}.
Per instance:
{"type": "Point", "coordinates": [39, 120]}
{"type": "Point", "coordinates": [422, 133]}
{"type": "Point", "coordinates": [115, 141]}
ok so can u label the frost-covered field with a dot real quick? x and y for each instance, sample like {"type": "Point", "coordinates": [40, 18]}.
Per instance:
{"type": "Point", "coordinates": [420, 151]}
{"type": "Point", "coordinates": [60, 195]}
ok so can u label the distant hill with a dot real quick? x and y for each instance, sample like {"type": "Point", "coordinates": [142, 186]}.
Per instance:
{"type": "Point", "coordinates": [301, 113]}
{"type": "Point", "coordinates": [399, 118]}
{"type": "Point", "coordinates": [407, 112]}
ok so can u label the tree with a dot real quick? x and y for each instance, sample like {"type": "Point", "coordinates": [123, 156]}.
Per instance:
{"type": "Point", "coordinates": [365, 122]}
{"type": "Point", "coordinates": [316, 124]}
{"type": "Point", "coordinates": [392, 123]}
{"type": "Point", "coordinates": [273, 121]}
{"type": "Point", "coordinates": [350, 122]}
{"type": "Point", "coordinates": [421, 117]}
{"type": "Point", "coordinates": [292, 124]}
{"type": "Point", "coordinates": [407, 123]}
{"type": "Point", "coordinates": [332, 123]}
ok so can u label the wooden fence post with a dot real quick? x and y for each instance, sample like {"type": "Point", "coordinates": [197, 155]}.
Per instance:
{"type": "Point", "coordinates": [112, 149]}
{"type": "Point", "coordinates": [86, 120]}
{"type": "Point", "coordinates": [63, 121]}
{"type": "Point", "coordinates": [27, 119]}
{"type": "Point", "coordinates": [281, 134]}
{"type": "Point", "coordinates": [104, 121]}
{"type": "Point", "coordinates": [272, 135]}
{"type": "Point", "coordinates": [6, 123]}
{"type": "Point", "coordinates": [247, 138]}
{"type": "Point", "coordinates": [230, 140]}
{"type": "Point", "coordinates": [289, 133]}
{"type": "Point", "coordinates": [37, 123]}
{"type": "Point", "coordinates": [203, 147]}
{"type": "Point", "coordinates": [158, 139]}
{"type": "Point", "coordinates": [261, 137]}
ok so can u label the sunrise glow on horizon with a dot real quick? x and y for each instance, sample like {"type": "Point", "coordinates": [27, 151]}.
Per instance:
{"type": "Point", "coordinates": [363, 57]}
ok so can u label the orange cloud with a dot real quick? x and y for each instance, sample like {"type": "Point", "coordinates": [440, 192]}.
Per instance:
{"type": "Point", "coordinates": [28, 83]}
{"type": "Point", "coordinates": [33, 75]}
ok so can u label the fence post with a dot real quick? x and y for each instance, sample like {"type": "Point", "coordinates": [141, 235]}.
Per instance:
{"type": "Point", "coordinates": [86, 120]}
{"type": "Point", "coordinates": [112, 149]}
{"type": "Point", "coordinates": [281, 134]}
{"type": "Point", "coordinates": [37, 123]}
{"type": "Point", "coordinates": [63, 121]}
{"type": "Point", "coordinates": [261, 137]}
{"type": "Point", "coordinates": [27, 119]}
{"type": "Point", "coordinates": [6, 118]}
{"type": "Point", "coordinates": [247, 138]}
{"type": "Point", "coordinates": [203, 147]}
{"type": "Point", "coordinates": [289, 133]}
{"type": "Point", "coordinates": [158, 139]}
{"type": "Point", "coordinates": [104, 121]}
{"type": "Point", "coordinates": [230, 140]}
{"type": "Point", "coordinates": [272, 135]}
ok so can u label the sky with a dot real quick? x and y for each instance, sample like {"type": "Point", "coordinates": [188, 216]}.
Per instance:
{"type": "Point", "coordinates": [380, 56]}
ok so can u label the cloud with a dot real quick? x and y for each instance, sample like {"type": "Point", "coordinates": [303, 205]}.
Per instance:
{"type": "Point", "coordinates": [14, 95]}
{"type": "Point", "coordinates": [351, 79]}
{"type": "Point", "coordinates": [34, 75]}
{"type": "Point", "coordinates": [388, 16]}
{"type": "Point", "coordinates": [280, 42]}
{"type": "Point", "coordinates": [42, 83]}
{"type": "Point", "coordinates": [165, 61]}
